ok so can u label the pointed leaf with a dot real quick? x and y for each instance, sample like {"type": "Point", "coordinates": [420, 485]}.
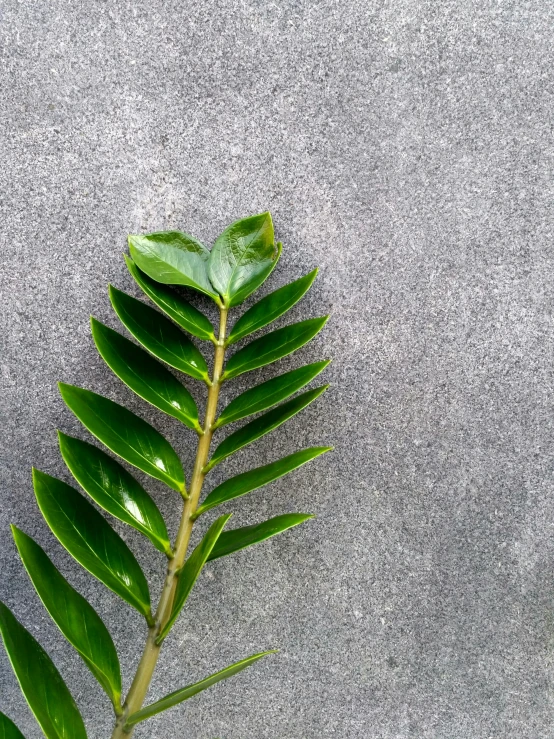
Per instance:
{"type": "Point", "coordinates": [253, 284]}
{"type": "Point", "coordinates": [8, 730]}
{"type": "Point", "coordinates": [40, 682]}
{"type": "Point", "coordinates": [126, 435]}
{"type": "Point", "coordinates": [89, 538]}
{"type": "Point", "coordinates": [268, 309]}
{"type": "Point", "coordinates": [76, 619]}
{"type": "Point", "coordinates": [114, 489]}
{"type": "Point", "coordinates": [146, 376]}
{"type": "Point", "coordinates": [273, 346]}
{"type": "Point", "coordinates": [159, 335]}
{"type": "Point", "coordinates": [233, 541]}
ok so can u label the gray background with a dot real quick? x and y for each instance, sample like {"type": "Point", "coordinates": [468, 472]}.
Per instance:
{"type": "Point", "coordinates": [406, 148]}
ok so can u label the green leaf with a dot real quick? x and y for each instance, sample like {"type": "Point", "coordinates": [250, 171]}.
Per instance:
{"type": "Point", "coordinates": [240, 256]}
{"type": "Point", "coordinates": [146, 376]}
{"type": "Point", "coordinates": [242, 484]}
{"type": "Point", "coordinates": [90, 539]}
{"type": "Point", "coordinates": [191, 570]}
{"type": "Point", "coordinates": [173, 258]}
{"type": "Point", "coordinates": [263, 425]}
{"type": "Point", "coordinates": [8, 730]}
{"type": "Point", "coordinates": [126, 435]}
{"type": "Point", "coordinates": [159, 335]}
{"type": "Point", "coordinates": [264, 396]}
{"type": "Point", "coordinates": [179, 696]}
{"type": "Point", "coordinates": [253, 284]}
{"type": "Point", "coordinates": [233, 541]}
{"type": "Point", "coordinates": [76, 619]}
{"type": "Point", "coordinates": [273, 346]}
{"type": "Point", "coordinates": [271, 307]}
{"type": "Point", "coordinates": [176, 307]}
{"type": "Point", "coordinates": [40, 682]}
{"type": "Point", "coordinates": [114, 489]}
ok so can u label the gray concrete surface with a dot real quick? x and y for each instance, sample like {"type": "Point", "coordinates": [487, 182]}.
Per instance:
{"type": "Point", "coordinates": [405, 148]}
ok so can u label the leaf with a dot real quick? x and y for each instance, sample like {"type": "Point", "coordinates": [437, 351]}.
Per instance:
{"type": "Point", "coordinates": [159, 335]}
{"type": "Point", "coordinates": [114, 489]}
{"type": "Point", "coordinates": [176, 307]}
{"type": "Point", "coordinates": [126, 435]}
{"type": "Point", "coordinates": [40, 682]}
{"type": "Point", "coordinates": [251, 286]}
{"type": "Point", "coordinates": [273, 346]}
{"type": "Point", "coordinates": [263, 425]}
{"type": "Point", "coordinates": [89, 538]}
{"type": "Point", "coordinates": [264, 396]}
{"type": "Point", "coordinates": [173, 258]}
{"type": "Point", "coordinates": [242, 484]}
{"type": "Point", "coordinates": [76, 619]}
{"type": "Point", "coordinates": [182, 695]}
{"type": "Point", "coordinates": [147, 377]}
{"type": "Point", "coordinates": [271, 307]}
{"type": "Point", "coordinates": [191, 570]}
{"type": "Point", "coordinates": [8, 730]}
{"type": "Point", "coordinates": [232, 541]}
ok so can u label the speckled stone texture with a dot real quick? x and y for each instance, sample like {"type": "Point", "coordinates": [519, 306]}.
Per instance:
{"type": "Point", "coordinates": [406, 148]}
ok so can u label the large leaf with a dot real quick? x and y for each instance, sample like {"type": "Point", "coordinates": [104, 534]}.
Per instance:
{"type": "Point", "coordinates": [145, 375]}
{"type": "Point", "coordinates": [263, 425]}
{"type": "Point", "coordinates": [271, 307]}
{"type": "Point", "coordinates": [233, 541]}
{"type": "Point", "coordinates": [114, 489]}
{"type": "Point", "coordinates": [40, 682]}
{"type": "Point", "coordinates": [8, 730]}
{"type": "Point", "coordinates": [179, 696]}
{"type": "Point", "coordinates": [126, 435]}
{"type": "Point", "coordinates": [264, 396]}
{"type": "Point", "coordinates": [191, 570]}
{"type": "Point", "coordinates": [176, 307]}
{"type": "Point", "coordinates": [76, 619]}
{"type": "Point", "coordinates": [242, 484]}
{"type": "Point", "coordinates": [273, 346]}
{"type": "Point", "coordinates": [89, 538]}
{"type": "Point", "coordinates": [159, 335]}
{"type": "Point", "coordinates": [173, 258]}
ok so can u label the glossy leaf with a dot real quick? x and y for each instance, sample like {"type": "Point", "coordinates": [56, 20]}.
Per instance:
{"type": "Point", "coordinates": [76, 619]}
{"type": "Point", "coordinates": [114, 489]}
{"type": "Point", "coordinates": [89, 538]}
{"type": "Point", "coordinates": [179, 696]}
{"type": "Point", "coordinates": [8, 730]}
{"type": "Point", "coordinates": [253, 284]}
{"type": "Point", "coordinates": [40, 682]}
{"type": "Point", "coordinates": [273, 346]}
{"type": "Point", "coordinates": [242, 484]}
{"type": "Point", "coordinates": [126, 435]}
{"type": "Point", "coordinates": [232, 541]}
{"type": "Point", "coordinates": [268, 309]}
{"type": "Point", "coordinates": [146, 376]}
{"type": "Point", "coordinates": [263, 425]}
{"type": "Point", "coordinates": [173, 304]}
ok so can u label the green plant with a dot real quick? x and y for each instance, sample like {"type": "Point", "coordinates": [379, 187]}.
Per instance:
{"type": "Point", "coordinates": [239, 262]}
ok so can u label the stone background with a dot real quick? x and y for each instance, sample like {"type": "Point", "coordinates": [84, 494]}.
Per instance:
{"type": "Point", "coordinates": [406, 148]}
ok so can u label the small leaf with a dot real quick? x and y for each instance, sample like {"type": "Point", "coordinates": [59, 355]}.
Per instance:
{"type": "Point", "coordinates": [191, 570]}
{"type": "Point", "coordinates": [8, 730]}
{"type": "Point", "coordinates": [126, 435]}
{"type": "Point", "coordinates": [242, 484]}
{"type": "Point", "coordinates": [90, 539]}
{"type": "Point", "coordinates": [114, 489]}
{"type": "Point", "coordinates": [146, 376]}
{"type": "Point", "coordinates": [76, 619]}
{"type": "Point", "coordinates": [263, 425]}
{"type": "Point", "coordinates": [40, 682]}
{"type": "Point", "coordinates": [268, 309]}
{"type": "Point", "coordinates": [233, 541]}
{"type": "Point", "coordinates": [173, 258]}
{"type": "Point", "coordinates": [176, 307]}
{"type": "Point", "coordinates": [273, 346]}
{"type": "Point", "coordinates": [182, 695]}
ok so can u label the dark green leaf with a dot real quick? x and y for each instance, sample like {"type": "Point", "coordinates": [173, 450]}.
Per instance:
{"type": "Point", "coordinates": [126, 435]}
{"type": "Point", "coordinates": [114, 489]}
{"type": "Point", "coordinates": [89, 538]}
{"type": "Point", "coordinates": [253, 284]}
{"type": "Point", "coordinates": [40, 682]}
{"type": "Point", "coordinates": [76, 619]}
{"type": "Point", "coordinates": [232, 541]}
{"type": "Point", "coordinates": [8, 730]}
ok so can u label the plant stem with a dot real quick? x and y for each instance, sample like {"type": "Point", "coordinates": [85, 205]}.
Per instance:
{"type": "Point", "coordinates": [147, 664]}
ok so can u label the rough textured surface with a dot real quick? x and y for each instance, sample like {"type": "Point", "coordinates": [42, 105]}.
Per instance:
{"type": "Point", "coordinates": [405, 148]}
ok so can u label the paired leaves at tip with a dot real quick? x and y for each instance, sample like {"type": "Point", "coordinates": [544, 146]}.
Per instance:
{"type": "Point", "coordinates": [232, 541]}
